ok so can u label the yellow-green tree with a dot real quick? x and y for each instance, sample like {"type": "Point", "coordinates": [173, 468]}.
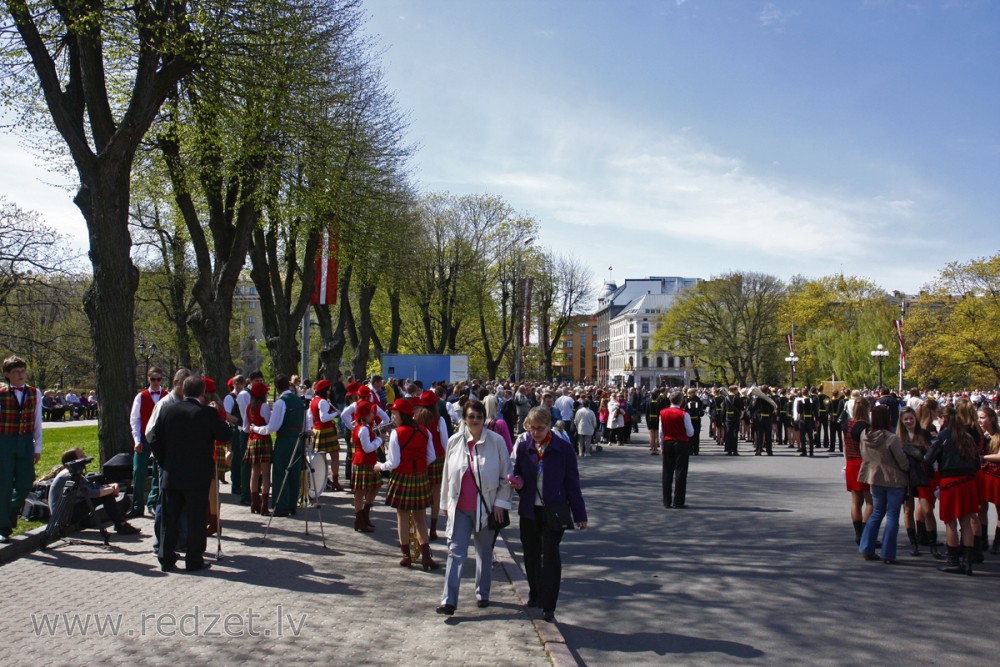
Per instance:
{"type": "Point", "coordinates": [955, 327]}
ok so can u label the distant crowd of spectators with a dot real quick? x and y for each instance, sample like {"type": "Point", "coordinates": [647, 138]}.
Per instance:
{"type": "Point", "coordinates": [57, 406]}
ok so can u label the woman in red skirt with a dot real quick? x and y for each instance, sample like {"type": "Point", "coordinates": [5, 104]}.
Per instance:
{"type": "Point", "coordinates": [909, 432]}
{"type": "Point", "coordinates": [260, 449]}
{"type": "Point", "coordinates": [365, 480]}
{"type": "Point", "coordinates": [861, 496]}
{"type": "Point", "coordinates": [410, 452]}
{"type": "Point", "coordinates": [325, 441]}
{"type": "Point", "coordinates": [928, 415]}
{"type": "Point", "coordinates": [990, 473]}
{"type": "Point", "coordinates": [956, 454]}
{"type": "Point", "coordinates": [425, 413]}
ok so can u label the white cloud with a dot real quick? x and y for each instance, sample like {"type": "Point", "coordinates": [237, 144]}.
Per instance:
{"type": "Point", "coordinates": [773, 16]}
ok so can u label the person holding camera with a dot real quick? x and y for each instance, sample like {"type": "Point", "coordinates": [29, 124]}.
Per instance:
{"type": "Point", "coordinates": [104, 495]}
{"type": "Point", "coordinates": [474, 487]}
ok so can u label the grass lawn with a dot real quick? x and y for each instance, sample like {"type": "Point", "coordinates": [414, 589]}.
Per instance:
{"type": "Point", "coordinates": [55, 441]}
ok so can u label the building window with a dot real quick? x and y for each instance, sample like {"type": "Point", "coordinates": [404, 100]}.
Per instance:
{"type": "Point", "coordinates": [595, 344]}
{"type": "Point", "coordinates": [631, 327]}
{"type": "Point", "coordinates": [252, 319]}
{"type": "Point", "coordinates": [252, 305]}
{"type": "Point", "coordinates": [659, 362]}
{"type": "Point", "coordinates": [569, 356]}
{"type": "Point", "coordinates": [568, 343]}
{"type": "Point", "coordinates": [645, 362]}
{"type": "Point", "coordinates": [645, 327]}
{"type": "Point", "coordinates": [645, 343]}
{"type": "Point", "coordinates": [670, 362]}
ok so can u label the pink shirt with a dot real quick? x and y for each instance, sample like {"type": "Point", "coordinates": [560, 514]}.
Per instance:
{"type": "Point", "coordinates": [469, 495]}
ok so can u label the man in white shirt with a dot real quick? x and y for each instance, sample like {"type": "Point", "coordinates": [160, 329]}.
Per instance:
{"type": "Point", "coordinates": [142, 410]}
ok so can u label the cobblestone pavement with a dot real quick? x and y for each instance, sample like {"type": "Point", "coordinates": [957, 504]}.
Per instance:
{"type": "Point", "coordinates": [761, 568]}
{"type": "Point", "coordinates": [287, 600]}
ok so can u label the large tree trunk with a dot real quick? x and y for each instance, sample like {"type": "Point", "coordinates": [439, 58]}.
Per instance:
{"type": "Point", "coordinates": [103, 199]}
{"type": "Point", "coordinates": [335, 340]}
{"type": "Point", "coordinates": [359, 365]}
{"type": "Point", "coordinates": [395, 320]}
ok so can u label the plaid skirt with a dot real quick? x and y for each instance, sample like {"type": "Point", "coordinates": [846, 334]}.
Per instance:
{"type": "Point", "coordinates": [435, 472]}
{"type": "Point", "coordinates": [220, 457]}
{"type": "Point", "coordinates": [408, 491]}
{"type": "Point", "coordinates": [365, 477]}
{"type": "Point", "coordinates": [260, 449]}
{"type": "Point", "coordinates": [326, 440]}
{"type": "Point", "coordinates": [959, 497]}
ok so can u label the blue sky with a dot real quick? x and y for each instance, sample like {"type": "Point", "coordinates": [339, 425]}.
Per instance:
{"type": "Point", "coordinates": [694, 137]}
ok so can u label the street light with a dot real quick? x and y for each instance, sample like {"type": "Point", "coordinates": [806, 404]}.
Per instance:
{"type": "Point", "coordinates": [146, 357]}
{"type": "Point", "coordinates": [880, 353]}
{"type": "Point", "coordinates": [792, 359]}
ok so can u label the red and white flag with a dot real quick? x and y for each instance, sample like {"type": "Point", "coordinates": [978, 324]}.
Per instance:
{"type": "Point", "coordinates": [902, 345]}
{"type": "Point", "coordinates": [325, 285]}
{"type": "Point", "coordinates": [790, 339]}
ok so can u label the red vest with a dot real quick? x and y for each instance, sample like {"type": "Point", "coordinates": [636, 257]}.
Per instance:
{"type": "Point", "coordinates": [412, 448]}
{"type": "Point", "coordinates": [17, 419]}
{"type": "Point", "coordinates": [253, 414]}
{"type": "Point", "coordinates": [314, 410]}
{"type": "Point", "coordinates": [672, 419]}
{"type": "Point", "coordinates": [435, 437]}
{"type": "Point", "coordinates": [146, 406]}
{"type": "Point", "coordinates": [361, 457]}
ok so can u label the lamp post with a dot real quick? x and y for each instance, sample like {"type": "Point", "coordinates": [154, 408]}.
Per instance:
{"type": "Point", "coordinates": [880, 353]}
{"type": "Point", "coordinates": [146, 357]}
{"type": "Point", "coordinates": [792, 360]}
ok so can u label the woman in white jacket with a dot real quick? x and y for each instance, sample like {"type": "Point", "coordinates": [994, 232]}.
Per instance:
{"type": "Point", "coordinates": [474, 485]}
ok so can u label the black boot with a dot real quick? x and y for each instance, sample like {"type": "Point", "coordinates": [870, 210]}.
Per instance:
{"type": "Point", "coordinates": [859, 527]}
{"type": "Point", "coordinates": [914, 545]}
{"type": "Point", "coordinates": [970, 558]}
{"type": "Point", "coordinates": [921, 534]}
{"type": "Point", "coordinates": [954, 564]}
{"type": "Point", "coordinates": [995, 549]}
{"type": "Point", "coordinates": [974, 553]}
{"type": "Point", "coordinates": [933, 544]}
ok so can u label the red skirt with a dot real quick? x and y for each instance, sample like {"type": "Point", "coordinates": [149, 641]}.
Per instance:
{"type": "Point", "coordinates": [853, 468]}
{"type": "Point", "coordinates": [989, 488]}
{"type": "Point", "coordinates": [927, 492]}
{"type": "Point", "coordinates": [959, 497]}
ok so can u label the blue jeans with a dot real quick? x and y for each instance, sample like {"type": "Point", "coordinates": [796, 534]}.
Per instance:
{"type": "Point", "coordinates": [886, 501]}
{"type": "Point", "coordinates": [458, 550]}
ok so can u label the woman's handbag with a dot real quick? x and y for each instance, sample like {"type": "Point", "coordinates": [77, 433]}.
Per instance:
{"type": "Point", "coordinates": [558, 516]}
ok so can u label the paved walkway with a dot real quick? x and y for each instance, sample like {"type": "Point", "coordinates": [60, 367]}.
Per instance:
{"type": "Point", "coordinates": [287, 600]}
{"type": "Point", "coordinates": [760, 569]}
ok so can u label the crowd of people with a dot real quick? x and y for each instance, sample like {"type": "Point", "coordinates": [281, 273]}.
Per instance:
{"type": "Point", "coordinates": [58, 406]}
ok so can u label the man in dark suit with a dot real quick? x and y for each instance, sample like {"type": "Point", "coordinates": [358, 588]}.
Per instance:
{"type": "Point", "coordinates": [183, 442]}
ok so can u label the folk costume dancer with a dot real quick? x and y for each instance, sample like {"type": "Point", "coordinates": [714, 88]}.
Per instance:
{"type": "Point", "coordinates": [410, 452]}
{"type": "Point", "coordinates": [20, 441]}
{"type": "Point", "coordinates": [325, 440]}
{"type": "Point", "coordinates": [243, 400]}
{"type": "Point", "coordinates": [142, 410]}
{"type": "Point", "coordinates": [260, 449]}
{"type": "Point", "coordinates": [238, 441]}
{"type": "Point", "coordinates": [287, 419]}
{"type": "Point", "coordinates": [426, 415]}
{"type": "Point", "coordinates": [366, 481]}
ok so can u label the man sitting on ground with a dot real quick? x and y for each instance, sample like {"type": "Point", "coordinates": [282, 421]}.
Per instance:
{"type": "Point", "coordinates": [101, 494]}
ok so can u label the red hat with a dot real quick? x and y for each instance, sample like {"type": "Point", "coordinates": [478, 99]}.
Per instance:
{"type": "Point", "coordinates": [363, 409]}
{"type": "Point", "coordinates": [230, 384]}
{"type": "Point", "coordinates": [364, 391]}
{"type": "Point", "coordinates": [402, 406]}
{"type": "Point", "coordinates": [209, 385]}
{"type": "Point", "coordinates": [321, 385]}
{"type": "Point", "coordinates": [259, 390]}
{"type": "Point", "coordinates": [353, 388]}
{"type": "Point", "coordinates": [427, 399]}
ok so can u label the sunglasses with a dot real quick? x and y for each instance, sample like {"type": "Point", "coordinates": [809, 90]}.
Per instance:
{"type": "Point", "coordinates": [160, 379]}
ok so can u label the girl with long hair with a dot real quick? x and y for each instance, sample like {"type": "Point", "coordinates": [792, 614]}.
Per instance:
{"type": "Point", "coordinates": [861, 497]}
{"type": "Point", "coordinates": [990, 474]}
{"type": "Point", "coordinates": [260, 450]}
{"type": "Point", "coordinates": [956, 454]}
{"type": "Point", "coordinates": [909, 432]}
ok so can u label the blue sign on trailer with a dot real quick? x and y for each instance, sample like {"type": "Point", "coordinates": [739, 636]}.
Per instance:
{"type": "Point", "coordinates": [428, 368]}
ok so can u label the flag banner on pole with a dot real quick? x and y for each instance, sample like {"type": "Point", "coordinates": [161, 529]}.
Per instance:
{"type": "Point", "coordinates": [902, 345]}
{"type": "Point", "coordinates": [791, 344]}
{"type": "Point", "coordinates": [526, 312]}
{"type": "Point", "coordinates": [325, 284]}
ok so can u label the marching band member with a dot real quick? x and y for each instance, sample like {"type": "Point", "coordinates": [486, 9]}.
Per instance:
{"type": "Point", "coordinates": [260, 450]}
{"type": "Point", "coordinates": [325, 439]}
{"type": "Point", "coordinates": [366, 481]}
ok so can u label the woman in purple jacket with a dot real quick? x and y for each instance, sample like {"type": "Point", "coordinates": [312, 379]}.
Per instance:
{"type": "Point", "coordinates": [545, 474]}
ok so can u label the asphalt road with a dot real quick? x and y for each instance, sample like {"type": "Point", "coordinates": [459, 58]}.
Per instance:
{"type": "Point", "coordinates": [761, 568]}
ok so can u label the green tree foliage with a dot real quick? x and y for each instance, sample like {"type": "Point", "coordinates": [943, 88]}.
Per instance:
{"type": "Point", "coordinates": [955, 325]}
{"type": "Point", "coordinates": [838, 320]}
{"type": "Point", "coordinates": [729, 326]}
